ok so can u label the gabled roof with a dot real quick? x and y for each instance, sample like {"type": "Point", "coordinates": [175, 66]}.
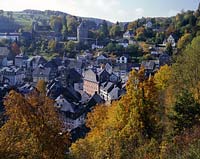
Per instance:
{"type": "Point", "coordinates": [114, 91]}
{"type": "Point", "coordinates": [41, 71]}
{"type": "Point", "coordinates": [94, 100]}
{"type": "Point", "coordinates": [90, 75]}
{"type": "Point", "coordinates": [148, 65]}
{"type": "Point", "coordinates": [107, 86]}
{"type": "Point", "coordinates": [102, 57]}
{"type": "Point", "coordinates": [38, 60]}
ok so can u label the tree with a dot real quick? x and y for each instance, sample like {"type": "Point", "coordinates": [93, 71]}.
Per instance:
{"type": "Point", "coordinates": [184, 41]}
{"type": "Point", "coordinates": [70, 46]}
{"type": "Point", "coordinates": [41, 86]}
{"type": "Point", "coordinates": [52, 45]}
{"type": "Point", "coordinates": [128, 127]}
{"type": "Point", "coordinates": [115, 31]}
{"type": "Point", "coordinates": [15, 48]}
{"type": "Point", "coordinates": [104, 29]}
{"type": "Point", "coordinates": [132, 25]}
{"type": "Point", "coordinates": [163, 76]}
{"type": "Point", "coordinates": [140, 33]}
{"type": "Point", "coordinates": [72, 25]}
{"type": "Point", "coordinates": [64, 32]}
{"type": "Point", "coordinates": [133, 50]}
{"type": "Point", "coordinates": [186, 70]}
{"type": "Point", "coordinates": [186, 112]}
{"type": "Point", "coordinates": [33, 129]}
{"type": "Point", "coordinates": [169, 49]}
{"type": "Point", "coordinates": [56, 23]}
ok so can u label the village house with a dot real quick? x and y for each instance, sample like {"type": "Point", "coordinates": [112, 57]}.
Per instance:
{"type": "Point", "coordinates": [122, 59]}
{"type": "Point", "coordinates": [21, 60]}
{"type": "Point", "coordinates": [90, 82]}
{"type": "Point", "coordinates": [10, 36]}
{"type": "Point", "coordinates": [149, 25]}
{"type": "Point", "coordinates": [4, 53]}
{"type": "Point", "coordinates": [13, 74]}
{"type": "Point", "coordinates": [43, 73]}
{"type": "Point", "coordinates": [69, 113]}
{"type": "Point", "coordinates": [35, 61]}
{"type": "Point", "coordinates": [128, 34]}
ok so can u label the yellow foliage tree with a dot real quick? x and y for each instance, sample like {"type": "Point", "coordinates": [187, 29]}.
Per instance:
{"type": "Point", "coordinates": [33, 129]}
{"type": "Point", "coordinates": [130, 124]}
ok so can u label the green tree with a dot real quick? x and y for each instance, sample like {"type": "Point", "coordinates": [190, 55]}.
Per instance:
{"type": "Point", "coordinates": [186, 70]}
{"type": "Point", "coordinates": [133, 50]}
{"type": "Point", "coordinates": [186, 112]}
{"type": "Point", "coordinates": [115, 31]}
{"type": "Point", "coordinates": [169, 49]}
{"type": "Point", "coordinates": [104, 29]}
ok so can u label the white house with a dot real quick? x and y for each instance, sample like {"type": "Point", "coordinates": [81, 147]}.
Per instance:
{"type": "Point", "coordinates": [122, 59]}
{"type": "Point", "coordinates": [10, 36]}
{"type": "Point", "coordinates": [170, 40]}
{"type": "Point", "coordinates": [128, 34]}
{"type": "Point", "coordinates": [68, 113]}
{"type": "Point", "coordinates": [94, 46]}
{"type": "Point", "coordinates": [149, 24]}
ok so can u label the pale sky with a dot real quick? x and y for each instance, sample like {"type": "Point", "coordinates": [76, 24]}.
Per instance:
{"type": "Point", "coordinates": [113, 10]}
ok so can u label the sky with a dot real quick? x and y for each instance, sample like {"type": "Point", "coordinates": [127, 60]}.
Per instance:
{"type": "Point", "coordinates": [112, 10]}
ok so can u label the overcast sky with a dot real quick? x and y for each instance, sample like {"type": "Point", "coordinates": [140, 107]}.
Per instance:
{"type": "Point", "coordinates": [113, 10]}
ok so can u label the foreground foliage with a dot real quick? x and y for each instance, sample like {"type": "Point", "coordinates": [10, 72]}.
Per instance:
{"type": "Point", "coordinates": [33, 129]}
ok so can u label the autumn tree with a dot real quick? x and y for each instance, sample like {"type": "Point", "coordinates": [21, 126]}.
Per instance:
{"type": "Point", "coordinates": [41, 86]}
{"type": "Point", "coordinates": [52, 45]}
{"type": "Point", "coordinates": [15, 48]}
{"type": "Point", "coordinates": [184, 41]}
{"type": "Point", "coordinates": [127, 127]}
{"type": "Point", "coordinates": [33, 129]}
{"type": "Point", "coordinates": [163, 76]}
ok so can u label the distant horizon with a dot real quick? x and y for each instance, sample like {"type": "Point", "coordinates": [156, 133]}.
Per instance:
{"type": "Point", "coordinates": [113, 10]}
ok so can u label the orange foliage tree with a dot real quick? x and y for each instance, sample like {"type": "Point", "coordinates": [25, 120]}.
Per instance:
{"type": "Point", "coordinates": [33, 129]}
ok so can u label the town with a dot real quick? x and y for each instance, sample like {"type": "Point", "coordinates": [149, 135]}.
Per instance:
{"type": "Point", "coordinates": [84, 62]}
{"type": "Point", "coordinates": [78, 83]}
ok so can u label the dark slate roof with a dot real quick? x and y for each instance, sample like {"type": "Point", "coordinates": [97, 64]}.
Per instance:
{"type": "Point", "coordinates": [41, 71]}
{"type": "Point", "coordinates": [94, 100]}
{"type": "Point", "coordinates": [107, 86]}
{"type": "Point", "coordinates": [55, 88]}
{"type": "Point", "coordinates": [39, 60]}
{"type": "Point", "coordinates": [74, 75]}
{"type": "Point", "coordinates": [51, 64]}
{"type": "Point", "coordinates": [26, 88]}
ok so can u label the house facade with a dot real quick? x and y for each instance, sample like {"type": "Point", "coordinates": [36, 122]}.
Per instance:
{"type": "Point", "coordinates": [13, 74]}
{"type": "Point", "coordinates": [90, 82]}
